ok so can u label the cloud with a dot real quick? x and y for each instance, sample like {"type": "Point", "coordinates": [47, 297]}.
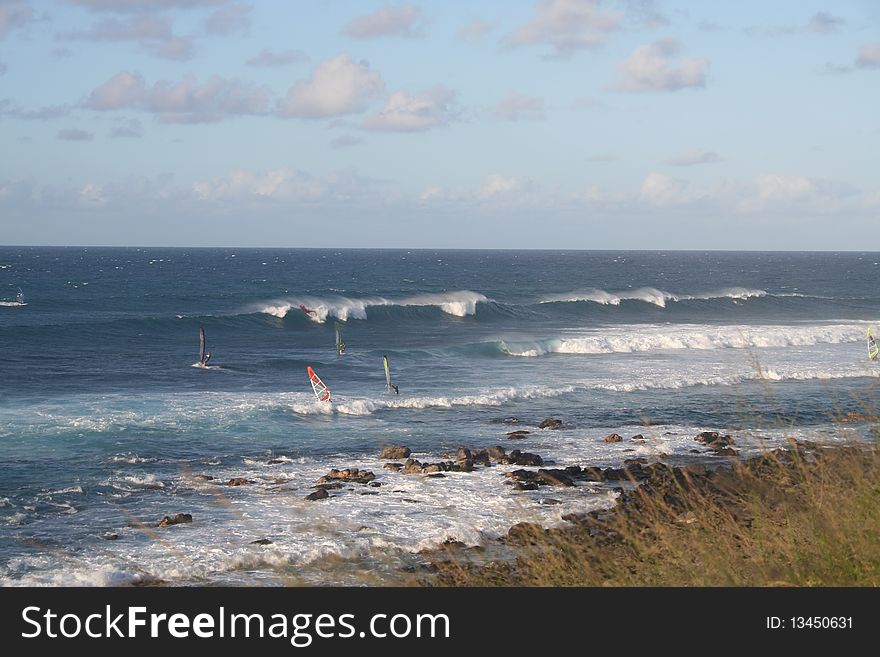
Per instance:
{"type": "Point", "coordinates": [869, 56]}
{"type": "Point", "coordinates": [153, 33]}
{"type": "Point", "coordinates": [185, 101]}
{"type": "Point", "coordinates": [236, 18]}
{"type": "Point", "coordinates": [500, 186]}
{"type": "Point", "coordinates": [403, 20]}
{"type": "Point", "coordinates": [566, 26]}
{"type": "Point", "coordinates": [45, 113]}
{"type": "Point", "coordinates": [337, 86]}
{"type": "Point", "coordinates": [649, 69]}
{"type": "Point", "coordinates": [14, 14]}
{"type": "Point", "coordinates": [694, 156]}
{"type": "Point", "coordinates": [75, 134]}
{"type": "Point", "coordinates": [134, 6]}
{"type": "Point", "coordinates": [127, 130]}
{"type": "Point", "coordinates": [824, 23]}
{"type": "Point", "coordinates": [475, 30]}
{"type": "Point", "coordinates": [346, 141]}
{"type": "Point", "coordinates": [285, 185]}
{"type": "Point", "coordinates": [517, 107]}
{"type": "Point", "coordinates": [662, 190]}
{"type": "Point", "coordinates": [406, 113]}
{"type": "Point", "coordinates": [268, 58]}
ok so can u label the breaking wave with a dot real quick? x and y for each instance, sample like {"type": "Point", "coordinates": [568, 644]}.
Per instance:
{"type": "Point", "coordinates": [459, 304]}
{"type": "Point", "coordinates": [650, 295]}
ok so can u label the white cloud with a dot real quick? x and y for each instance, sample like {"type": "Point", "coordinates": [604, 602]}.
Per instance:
{"type": "Point", "coordinates": [14, 14]}
{"type": "Point", "coordinates": [475, 30]}
{"type": "Point", "coordinates": [662, 190]}
{"type": "Point", "coordinates": [126, 6]}
{"type": "Point", "coordinates": [268, 58]}
{"type": "Point", "coordinates": [185, 101]}
{"type": "Point", "coordinates": [824, 23]}
{"type": "Point", "coordinates": [403, 20]}
{"type": "Point", "coordinates": [869, 56]}
{"type": "Point", "coordinates": [518, 107]}
{"type": "Point", "coordinates": [694, 156]}
{"type": "Point", "coordinates": [496, 186]}
{"type": "Point", "coordinates": [406, 113]}
{"type": "Point", "coordinates": [337, 86]}
{"type": "Point", "coordinates": [566, 26]}
{"type": "Point", "coordinates": [92, 194]}
{"type": "Point", "coordinates": [284, 185]}
{"type": "Point", "coordinates": [649, 69]}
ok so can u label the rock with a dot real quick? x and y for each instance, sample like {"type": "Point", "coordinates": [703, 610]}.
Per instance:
{"type": "Point", "coordinates": [550, 423]}
{"type": "Point", "coordinates": [328, 486]}
{"type": "Point", "coordinates": [349, 475]}
{"type": "Point", "coordinates": [462, 455]}
{"type": "Point", "coordinates": [555, 478]}
{"type": "Point", "coordinates": [614, 474]}
{"type": "Point", "coordinates": [432, 468]}
{"type": "Point", "coordinates": [496, 453]}
{"type": "Point", "coordinates": [274, 461]}
{"type": "Point", "coordinates": [394, 452]}
{"type": "Point", "coordinates": [393, 466]}
{"type": "Point", "coordinates": [176, 519]}
{"type": "Point", "coordinates": [505, 420]}
{"type": "Point", "coordinates": [517, 457]}
{"type": "Point", "coordinates": [374, 484]}
{"type": "Point", "coordinates": [714, 439]}
{"type": "Point", "coordinates": [515, 435]}
{"type": "Point", "coordinates": [726, 451]}
{"type": "Point", "coordinates": [613, 438]}
{"type": "Point", "coordinates": [525, 531]}
{"type": "Point", "coordinates": [261, 541]}
{"type": "Point", "coordinates": [111, 536]}
{"type": "Point", "coordinates": [239, 481]}
{"type": "Point", "coordinates": [638, 436]}
{"type": "Point", "coordinates": [203, 477]}
{"type": "Point", "coordinates": [548, 501]}
{"type": "Point", "coordinates": [591, 474]}
{"type": "Point", "coordinates": [320, 494]}
{"type": "Point", "coordinates": [528, 485]}
{"type": "Point", "coordinates": [482, 458]}
{"type": "Point", "coordinates": [436, 475]}
{"type": "Point", "coordinates": [638, 460]}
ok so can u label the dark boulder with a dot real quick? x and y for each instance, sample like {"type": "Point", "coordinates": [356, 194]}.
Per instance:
{"type": "Point", "coordinates": [556, 478]}
{"type": "Point", "coordinates": [496, 452]}
{"type": "Point", "coordinates": [320, 494]}
{"type": "Point", "coordinates": [393, 466]}
{"type": "Point", "coordinates": [176, 519]}
{"type": "Point", "coordinates": [274, 461]}
{"type": "Point", "coordinates": [395, 452]}
{"type": "Point", "coordinates": [239, 481]}
{"type": "Point", "coordinates": [517, 457]}
{"type": "Point", "coordinates": [550, 423]}
{"type": "Point", "coordinates": [261, 541]}
{"type": "Point", "coordinates": [515, 435]}
{"type": "Point", "coordinates": [348, 475]}
{"type": "Point", "coordinates": [613, 438]}
{"type": "Point", "coordinates": [638, 437]}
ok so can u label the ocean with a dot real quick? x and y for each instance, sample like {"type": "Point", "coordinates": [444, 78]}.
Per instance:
{"type": "Point", "coordinates": [106, 426]}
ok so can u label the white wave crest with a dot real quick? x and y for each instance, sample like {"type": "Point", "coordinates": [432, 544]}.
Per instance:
{"type": "Point", "coordinates": [460, 304]}
{"type": "Point", "coordinates": [660, 338]}
{"type": "Point", "coordinates": [650, 295]}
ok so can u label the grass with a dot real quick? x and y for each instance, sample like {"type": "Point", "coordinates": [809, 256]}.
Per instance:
{"type": "Point", "coordinates": [802, 516]}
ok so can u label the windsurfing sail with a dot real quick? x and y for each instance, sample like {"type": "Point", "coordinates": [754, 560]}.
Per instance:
{"type": "Point", "coordinates": [873, 349]}
{"type": "Point", "coordinates": [202, 352]}
{"type": "Point", "coordinates": [19, 297]}
{"type": "Point", "coordinates": [322, 392]}
{"type": "Point", "coordinates": [387, 374]}
{"type": "Point", "coordinates": [340, 345]}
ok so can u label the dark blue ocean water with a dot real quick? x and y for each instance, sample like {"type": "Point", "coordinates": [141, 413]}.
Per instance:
{"type": "Point", "coordinates": [104, 419]}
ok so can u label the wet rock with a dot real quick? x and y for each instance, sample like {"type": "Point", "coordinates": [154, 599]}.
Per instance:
{"type": "Point", "coordinates": [638, 437]}
{"type": "Point", "coordinates": [515, 435]}
{"type": "Point", "coordinates": [432, 468]}
{"type": "Point", "coordinates": [111, 536]}
{"type": "Point", "coordinates": [393, 466]}
{"type": "Point", "coordinates": [348, 475]}
{"type": "Point", "coordinates": [591, 474]}
{"type": "Point", "coordinates": [550, 423]}
{"type": "Point", "coordinates": [394, 452]}
{"type": "Point", "coordinates": [714, 439]}
{"type": "Point", "coordinates": [176, 519]}
{"type": "Point", "coordinates": [274, 461]}
{"type": "Point", "coordinates": [482, 458]}
{"type": "Point", "coordinates": [613, 438]}
{"type": "Point", "coordinates": [239, 481]}
{"type": "Point", "coordinates": [374, 484]}
{"type": "Point", "coordinates": [639, 460]}
{"type": "Point", "coordinates": [463, 455]}
{"type": "Point", "coordinates": [328, 486]}
{"type": "Point", "coordinates": [436, 475]}
{"type": "Point", "coordinates": [525, 531]}
{"type": "Point", "coordinates": [555, 477]}
{"type": "Point", "coordinates": [516, 457]}
{"type": "Point", "coordinates": [525, 485]}
{"type": "Point", "coordinates": [261, 541]}
{"type": "Point", "coordinates": [548, 501]}
{"type": "Point", "coordinates": [320, 494]}
{"type": "Point", "coordinates": [203, 477]}
{"type": "Point", "coordinates": [726, 451]}
{"type": "Point", "coordinates": [504, 420]}
{"type": "Point", "coordinates": [496, 452]}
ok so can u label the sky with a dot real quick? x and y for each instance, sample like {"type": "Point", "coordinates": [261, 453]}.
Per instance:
{"type": "Point", "coordinates": [589, 124]}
